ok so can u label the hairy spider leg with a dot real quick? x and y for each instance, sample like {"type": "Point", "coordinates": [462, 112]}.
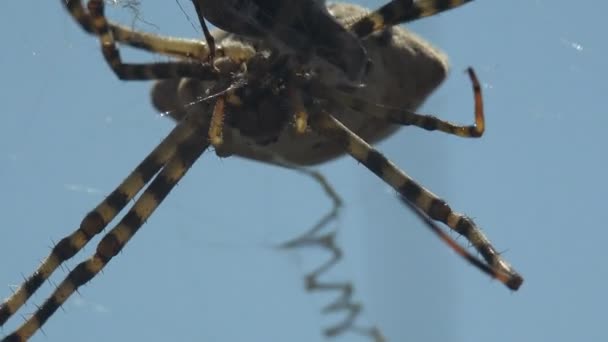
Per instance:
{"type": "Point", "coordinates": [96, 220]}
{"type": "Point", "coordinates": [114, 241]}
{"type": "Point", "coordinates": [188, 49]}
{"type": "Point", "coordinates": [97, 22]}
{"type": "Point", "coordinates": [458, 249]}
{"type": "Point", "coordinates": [340, 98]}
{"type": "Point", "coordinates": [401, 11]}
{"type": "Point", "coordinates": [433, 206]}
{"type": "Point", "coordinates": [99, 217]}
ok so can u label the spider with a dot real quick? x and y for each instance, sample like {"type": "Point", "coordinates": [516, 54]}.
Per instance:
{"type": "Point", "coordinates": [255, 103]}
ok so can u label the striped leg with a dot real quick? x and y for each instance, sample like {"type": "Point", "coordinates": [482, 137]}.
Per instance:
{"type": "Point", "coordinates": [112, 243]}
{"type": "Point", "coordinates": [96, 220]}
{"type": "Point", "coordinates": [401, 11]}
{"type": "Point", "coordinates": [501, 276]}
{"type": "Point", "coordinates": [339, 99]}
{"type": "Point", "coordinates": [169, 46]}
{"type": "Point", "coordinates": [187, 49]}
{"type": "Point", "coordinates": [433, 206]}
{"type": "Point", "coordinates": [96, 21]}
{"type": "Point", "coordinates": [77, 11]}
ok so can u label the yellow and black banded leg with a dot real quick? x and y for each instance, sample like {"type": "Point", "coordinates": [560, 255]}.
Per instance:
{"type": "Point", "coordinates": [97, 219]}
{"type": "Point", "coordinates": [401, 11]}
{"type": "Point", "coordinates": [432, 123]}
{"type": "Point", "coordinates": [77, 11]}
{"type": "Point", "coordinates": [458, 249]}
{"type": "Point", "coordinates": [433, 206]}
{"type": "Point", "coordinates": [149, 71]}
{"type": "Point", "coordinates": [339, 99]}
{"type": "Point", "coordinates": [193, 49]}
{"type": "Point", "coordinates": [112, 243]}
{"type": "Point", "coordinates": [169, 46]}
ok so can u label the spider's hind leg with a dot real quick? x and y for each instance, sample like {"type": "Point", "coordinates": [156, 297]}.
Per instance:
{"type": "Point", "coordinates": [433, 206]}
{"type": "Point", "coordinates": [96, 220]}
{"type": "Point", "coordinates": [77, 11]}
{"type": "Point", "coordinates": [185, 154]}
{"type": "Point", "coordinates": [168, 46]}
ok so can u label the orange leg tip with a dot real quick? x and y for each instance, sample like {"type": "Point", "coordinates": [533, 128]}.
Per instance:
{"type": "Point", "coordinates": [472, 75]}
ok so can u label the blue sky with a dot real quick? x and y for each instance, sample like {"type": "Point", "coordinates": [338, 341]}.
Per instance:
{"type": "Point", "coordinates": [203, 269]}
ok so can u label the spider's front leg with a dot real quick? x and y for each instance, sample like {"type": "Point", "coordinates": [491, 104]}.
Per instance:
{"type": "Point", "coordinates": [96, 22]}
{"type": "Point", "coordinates": [168, 46]}
{"type": "Point", "coordinates": [432, 123]}
{"type": "Point", "coordinates": [191, 146]}
{"type": "Point", "coordinates": [97, 219]}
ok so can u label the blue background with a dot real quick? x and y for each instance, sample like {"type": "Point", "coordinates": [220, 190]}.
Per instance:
{"type": "Point", "coordinates": [203, 269]}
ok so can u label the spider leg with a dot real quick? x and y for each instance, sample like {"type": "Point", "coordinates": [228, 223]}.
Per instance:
{"type": "Point", "coordinates": [97, 219]}
{"type": "Point", "coordinates": [216, 126]}
{"type": "Point", "coordinates": [400, 116]}
{"type": "Point", "coordinates": [112, 243]}
{"type": "Point", "coordinates": [126, 71]}
{"type": "Point", "coordinates": [458, 249]}
{"type": "Point", "coordinates": [401, 11]}
{"type": "Point", "coordinates": [169, 46]}
{"type": "Point", "coordinates": [433, 206]}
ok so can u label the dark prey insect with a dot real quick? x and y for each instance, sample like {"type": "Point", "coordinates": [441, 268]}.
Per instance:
{"type": "Point", "coordinates": [250, 100]}
{"type": "Point", "coordinates": [302, 28]}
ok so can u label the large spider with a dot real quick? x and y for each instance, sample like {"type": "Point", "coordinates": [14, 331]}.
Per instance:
{"type": "Point", "coordinates": [251, 101]}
